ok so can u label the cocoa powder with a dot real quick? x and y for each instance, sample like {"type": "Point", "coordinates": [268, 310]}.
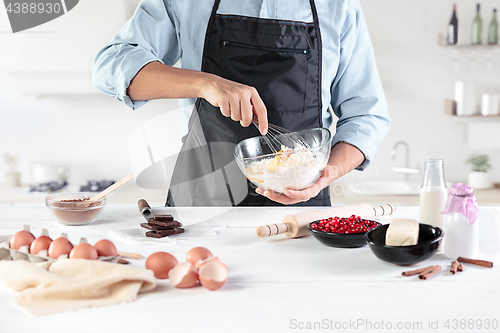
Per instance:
{"type": "Point", "coordinates": [76, 211]}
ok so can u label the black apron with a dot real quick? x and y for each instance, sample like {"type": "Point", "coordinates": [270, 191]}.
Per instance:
{"type": "Point", "coordinates": [282, 60]}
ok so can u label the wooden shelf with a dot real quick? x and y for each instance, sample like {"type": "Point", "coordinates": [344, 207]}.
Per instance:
{"type": "Point", "coordinates": [471, 46]}
{"type": "Point", "coordinates": [475, 118]}
{"type": "Point", "coordinates": [442, 43]}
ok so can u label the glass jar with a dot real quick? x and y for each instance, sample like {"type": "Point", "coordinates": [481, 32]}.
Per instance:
{"type": "Point", "coordinates": [461, 223]}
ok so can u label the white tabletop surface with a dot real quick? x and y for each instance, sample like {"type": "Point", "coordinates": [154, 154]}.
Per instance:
{"type": "Point", "coordinates": [275, 284]}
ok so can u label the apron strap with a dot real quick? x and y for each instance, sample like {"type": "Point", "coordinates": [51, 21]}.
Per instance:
{"type": "Point", "coordinates": [207, 33]}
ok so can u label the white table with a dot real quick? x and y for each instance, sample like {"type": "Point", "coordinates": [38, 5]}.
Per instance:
{"type": "Point", "coordinates": [275, 284]}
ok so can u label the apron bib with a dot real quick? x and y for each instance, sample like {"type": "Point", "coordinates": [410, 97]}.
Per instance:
{"type": "Point", "coordinates": [282, 60]}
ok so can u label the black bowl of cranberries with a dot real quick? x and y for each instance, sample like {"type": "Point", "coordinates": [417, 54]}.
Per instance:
{"type": "Point", "coordinates": [347, 232]}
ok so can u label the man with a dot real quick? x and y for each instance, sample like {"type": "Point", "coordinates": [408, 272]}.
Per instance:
{"type": "Point", "coordinates": [282, 61]}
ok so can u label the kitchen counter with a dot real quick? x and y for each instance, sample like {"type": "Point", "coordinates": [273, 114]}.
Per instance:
{"type": "Point", "coordinates": [275, 284]}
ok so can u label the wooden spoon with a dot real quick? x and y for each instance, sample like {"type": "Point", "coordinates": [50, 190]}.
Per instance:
{"type": "Point", "coordinates": [113, 187]}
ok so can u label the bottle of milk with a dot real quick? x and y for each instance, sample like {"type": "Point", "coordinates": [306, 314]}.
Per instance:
{"type": "Point", "coordinates": [433, 194]}
{"type": "Point", "coordinates": [461, 224]}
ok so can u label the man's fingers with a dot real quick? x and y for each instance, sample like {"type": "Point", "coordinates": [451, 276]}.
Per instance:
{"type": "Point", "coordinates": [281, 198]}
{"type": "Point", "coordinates": [259, 109]}
{"type": "Point", "coordinates": [274, 196]}
{"type": "Point", "coordinates": [246, 112]}
{"type": "Point", "coordinates": [225, 109]}
{"type": "Point", "coordinates": [291, 196]}
{"type": "Point", "coordinates": [235, 110]}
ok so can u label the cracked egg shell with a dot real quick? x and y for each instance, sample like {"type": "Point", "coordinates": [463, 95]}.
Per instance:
{"type": "Point", "coordinates": [161, 263]}
{"type": "Point", "coordinates": [39, 244]}
{"type": "Point", "coordinates": [197, 254]}
{"type": "Point", "coordinates": [106, 248]}
{"type": "Point", "coordinates": [60, 246]}
{"type": "Point", "coordinates": [83, 251]}
{"type": "Point", "coordinates": [203, 262]}
{"type": "Point", "coordinates": [21, 238]}
{"type": "Point", "coordinates": [213, 274]}
{"type": "Point", "coordinates": [183, 275]}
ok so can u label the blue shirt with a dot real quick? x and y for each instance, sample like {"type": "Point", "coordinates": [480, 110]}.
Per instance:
{"type": "Point", "coordinates": [168, 30]}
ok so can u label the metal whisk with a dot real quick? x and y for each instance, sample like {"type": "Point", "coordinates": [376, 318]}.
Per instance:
{"type": "Point", "coordinates": [277, 136]}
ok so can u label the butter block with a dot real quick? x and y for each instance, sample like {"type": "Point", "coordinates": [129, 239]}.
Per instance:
{"type": "Point", "coordinates": [402, 232]}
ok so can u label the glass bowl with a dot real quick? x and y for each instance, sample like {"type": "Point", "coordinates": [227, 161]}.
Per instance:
{"type": "Point", "coordinates": [77, 210]}
{"type": "Point", "coordinates": [296, 167]}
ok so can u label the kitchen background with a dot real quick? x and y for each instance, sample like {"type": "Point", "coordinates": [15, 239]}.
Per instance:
{"type": "Point", "coordinates": [52, 113]}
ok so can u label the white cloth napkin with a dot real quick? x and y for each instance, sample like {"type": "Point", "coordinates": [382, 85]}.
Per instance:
{"type": "Point", "coordinates": [73, 284]}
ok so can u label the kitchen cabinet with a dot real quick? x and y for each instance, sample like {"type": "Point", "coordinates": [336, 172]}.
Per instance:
{"type": "Point", "coordinates": [57, 57]}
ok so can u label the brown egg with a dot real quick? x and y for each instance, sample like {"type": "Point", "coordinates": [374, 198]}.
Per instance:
{"type": "Point", "coordinates": [21, 238]}
{"type": "Point", "coordinates": [197, 254]}
{"type": "Point", "coordinates": [40, 244]}
{"type": "Point", "coordinates": [106, 248]}
{"type": "Point", "coordinates": [213, 274]}
{"type": "Point", "coordinates": [83, 251]}
{"type": "Point", "coordinates": [183, 275]}
{"type": "Point", "coordinates": [60, 246]}
{"type": "Point", "coordinates": [161, 263]}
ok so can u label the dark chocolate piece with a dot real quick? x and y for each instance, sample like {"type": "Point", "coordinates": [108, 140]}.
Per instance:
{"type": "Point", "coordinates": [154, 227]}
{"type": "Point", "coordinates": [154, 234]}
{"type": "Point", "coordinates": [170, 231]}
{"type": "Point", "coordinates": [172, 224]}
{"type": "Point", "coordinates": [164, 233]}
{"type": "Point", "coordinates": [164, 218]}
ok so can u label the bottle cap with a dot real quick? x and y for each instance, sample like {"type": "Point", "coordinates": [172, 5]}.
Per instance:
{"type": "Point", "coordinates": [462, 200]}
{"type": "Point", "coordinates": [461, 190]}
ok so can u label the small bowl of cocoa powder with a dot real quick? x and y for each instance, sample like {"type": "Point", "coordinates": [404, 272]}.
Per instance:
{"type": "Point", "coordinates": [74, 208]}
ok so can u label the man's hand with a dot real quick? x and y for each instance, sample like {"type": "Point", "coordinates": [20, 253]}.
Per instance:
{"type": "Point", "coordinates": [235, 100]}
{"type": "Point", "coordinates": [289, 197]}
{"type": "Point", "coordinates": [343, 158]}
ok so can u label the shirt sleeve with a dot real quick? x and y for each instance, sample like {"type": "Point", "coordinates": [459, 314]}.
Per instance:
{"type": "Point", "coordinates": [357, 95]}
{"type": "Point", "coordinates": [150, 35]}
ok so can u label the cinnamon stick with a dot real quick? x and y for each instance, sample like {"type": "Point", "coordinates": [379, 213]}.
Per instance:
{"type": "Point", "coordinates": [478, 262]}
{"type": "Point", "coordinates": [454, 267]}
{"type": "Point", "coordinates": [429, 273]}
{"type": "Point", "coordinates": [417, 271]}
{"type": "Point", "coordinates": [460, 267]}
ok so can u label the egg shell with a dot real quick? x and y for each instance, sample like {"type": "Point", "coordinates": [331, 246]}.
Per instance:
{"type": "Point", "coordinates": [83, 251]}
{"type": "Point", "coordinates": [106, 248]}
{"type": "Point", "coordinates": [39, 244]}
{"type": "Point", "coordinates": [213, 274]}
{"type": "Point", "coordinates": [201, 263]}
{"type": "Point", "coordinates": [60, 246]}
{"type": "Point", "coordinates": [183, 275]}
{"type": "Point", "coordinates": [161, 263]}
{"type": "Point", "coordinates": [197, 254]}
{"type": "Point", "coordinates": [21, 238]}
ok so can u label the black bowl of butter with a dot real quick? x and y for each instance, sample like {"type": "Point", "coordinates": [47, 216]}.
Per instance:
{"type": "Point", "coordinates": [429, 239]}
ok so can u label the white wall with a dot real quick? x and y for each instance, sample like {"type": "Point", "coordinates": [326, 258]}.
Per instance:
{"type": "Point", "coordinates": [418, 75]}
{"type": "Point", "coordinates": [90, 132]}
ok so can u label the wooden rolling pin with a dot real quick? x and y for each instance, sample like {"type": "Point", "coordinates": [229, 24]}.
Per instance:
{"type": "Point", "coordinates": [294, 226]}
